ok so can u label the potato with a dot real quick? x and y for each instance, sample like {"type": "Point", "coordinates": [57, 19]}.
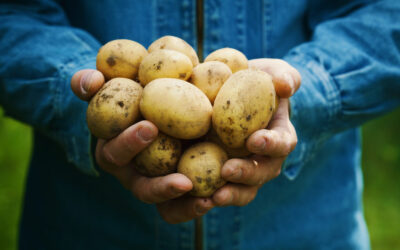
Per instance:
{"type": "Point", "coordinates": [164, 63]}
{"type": "Point", "coordinates": [177, 108]}
{"type": "Point", "coordinates": [114, 107]}
{"type": "Point", "coordinates": [160, 157]}
{"type": "Point", "coordinates": [244, 104]}
{"type": "Point", "coordinates": [241, 152]}
{"type": "Point", "coordinates": [177, 44]}
{"type": "Point", "coordinates": [235, 59]}
{"type": "Point", "coordinates": [202, 164]}
{"type": "Point", "coordinates": [209, 77]}
{"type": "Point", "coordinates": [120, 58]}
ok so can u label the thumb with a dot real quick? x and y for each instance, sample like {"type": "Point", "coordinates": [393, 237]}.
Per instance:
{"type": "Point", "coordinates": [85, 83]}
{"type": "Point", "coordinates": [286, 78]}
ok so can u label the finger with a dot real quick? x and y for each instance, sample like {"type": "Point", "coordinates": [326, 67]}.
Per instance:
{"type": "Point", "coordinates": [234, 195]}
{"type": "Point", "coordinates": [271, 142]}
{"type": "Point", "coordinates": [184, 209]}
{"type": "Point", "coordinates": [121, 150]}
{"type": "Point", "coordinates": [160, 189]}
{"type": "Point", "coordinates": [279, 139]}
{"type": "Point", "coordinates": [286, 78]}
{"type": "Point", "coordinates": [254, 171]}
{"type": "Point", "coordinates": [85, 83]}
{"type": "Point", "coordinates": [150, 190]}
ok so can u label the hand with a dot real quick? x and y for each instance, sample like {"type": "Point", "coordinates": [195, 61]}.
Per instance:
{"type": "Point", "coordinates": [270, 146]}
{"type": "Point", "coordinates": [115, 157]}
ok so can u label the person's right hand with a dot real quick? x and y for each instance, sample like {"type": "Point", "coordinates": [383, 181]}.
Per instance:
{"type": "Point", "coordinates": [115, 157]}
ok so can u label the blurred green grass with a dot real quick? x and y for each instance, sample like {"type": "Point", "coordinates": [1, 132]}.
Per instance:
{"type": "Point", "coordinates": [15, 147]}
{"type": "Point", "coordinates": [381, 165]}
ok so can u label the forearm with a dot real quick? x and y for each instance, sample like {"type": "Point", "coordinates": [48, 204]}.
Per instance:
{"type": "Point", "coordinates": [351, 74]}
{"type": "Point", "coordinates": [40, 53]}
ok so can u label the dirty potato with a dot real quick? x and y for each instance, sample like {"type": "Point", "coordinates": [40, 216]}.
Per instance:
{"type": "Point", "coordinates": [209, 77]}
{"type": "Point", "coordinates": [235, 59]}
{"type": "Point", "coordinates": [160, 157]}
{"type": "Point", "coordinates": [120, 58]}
{"type": "Point", "coordinates": [177, 108]}
{"type": "Point", "coordinates": [241, 152]}
{"type": "Point", "coordinates": [114, 107]}
{"type": "Point", "coordinates": [202, 164]}
{"type": "Point", "coordinates": [165, 63]}
{"type": "Point", "coordinates": [244, 104]}
{"type": "Point", "coordinates": [177, 44]}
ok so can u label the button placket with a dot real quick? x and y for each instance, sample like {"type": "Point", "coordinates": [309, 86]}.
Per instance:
{"type": "Point", "coordinates": [186, 238]}
{"type": "Point", "coordinates": [212, 25]}
{"type": "Point", "coordinates": [212, 230]}
{"type": "Point", "coordinates": [240, 24]}
{"type": "Point", "coordinates": [187, 23]}
{"type": "Point", "coordinates": [266, 28]}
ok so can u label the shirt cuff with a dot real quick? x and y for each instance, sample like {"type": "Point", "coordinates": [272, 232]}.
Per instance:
{"type": "Point", "coordinates": [313, 110]}
{"type": "Point", "coordinates": [75, 137]}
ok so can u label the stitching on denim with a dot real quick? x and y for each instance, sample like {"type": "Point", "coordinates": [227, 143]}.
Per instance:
{"type": "Point", "coordinates": [186, 20]}
{"type": "Point", "coordinates": [161, 18]}
{"type": "Point", "coordinates": [267, 27]}
{"type": "Point", "coordinates": [240, 25]}
{"type": "Point", "coordinates": [58, 87]}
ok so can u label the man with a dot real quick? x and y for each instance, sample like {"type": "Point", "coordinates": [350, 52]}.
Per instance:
{"type": "Point", "coordinates": [347, 53]}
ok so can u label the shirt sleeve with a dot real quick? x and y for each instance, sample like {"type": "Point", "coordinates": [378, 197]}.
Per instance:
{"type": "Point", "coordinates": [39, 53]}
{"type": "Point", "coordinates": [350, 73]}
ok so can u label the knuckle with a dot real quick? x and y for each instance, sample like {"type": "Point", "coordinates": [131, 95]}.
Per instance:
{"type": "Point", "coordinates": [130, 143]}
{"type": "Point", "coordinates": [287, 148]}
{"type": "Point", "coordinates": [262, 180]}
{"type": "Point", "coordinates": [166, 217]}
{"type": "Point", "coordinates": [142, 197]}
{"type": "Point", "coordinates": [293, 144]}
{"type": "Point", "coordinates": [277, 172]}
{"type": "Point", "coordinates": [281, 62]}
{"type": "Point", "coordinates": [140, 194]}
{"type": "Point", "coordinates": [109, 158]}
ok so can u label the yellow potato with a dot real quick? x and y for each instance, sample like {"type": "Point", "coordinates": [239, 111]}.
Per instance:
{"type": "Point", "coordinates": [202, 164]}
{"type": "Point", "coordinates": [244, 104]}
{"type": "Point", "coordinates": [120, 58]}
{"type": "Point", "coordinates": [165, 63]}
{"type": "Point", "coordinates": [241, 152]}
{"type": "Point", "coordinates": [160, 157]}
{"type": "Point", "coordinates": [177, 44]}
{"type": "Point", "coordinates": [235, 59]}
{"type": "Point", "coordinates": [209, 77]}
{"type": "Point", "coordinates": [177, 108]}
{"type": "Point", "coordinates": [114, 107]}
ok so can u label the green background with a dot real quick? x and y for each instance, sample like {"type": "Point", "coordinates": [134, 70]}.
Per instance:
{"type": "Point", "coordinates": [381, 165]}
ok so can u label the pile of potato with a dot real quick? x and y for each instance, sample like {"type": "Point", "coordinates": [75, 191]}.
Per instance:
{"type": "Point", "coordinates": [204, 111]}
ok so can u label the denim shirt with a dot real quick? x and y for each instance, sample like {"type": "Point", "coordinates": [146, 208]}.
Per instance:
{"type": "Point", "coordinates": [348, 54]}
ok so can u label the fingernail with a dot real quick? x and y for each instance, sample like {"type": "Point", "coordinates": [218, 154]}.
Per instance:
{"type": "Point", "coordinates": [146, 133]}
{"type": "Point", "coordinates": [85, 81]}
{"type": "Point", "coordinates": [236, 174]}
{"type": "Point", "coordinates": [259, 145]}
{"type": "Point", "coordinates": [289, 80]}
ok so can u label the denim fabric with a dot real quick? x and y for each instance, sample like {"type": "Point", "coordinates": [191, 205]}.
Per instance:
{"type": "Point", "coordinates": [348, 53]}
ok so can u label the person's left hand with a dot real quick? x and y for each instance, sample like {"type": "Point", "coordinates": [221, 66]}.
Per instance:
{"type": "Point", "coordinates": [270, 146]}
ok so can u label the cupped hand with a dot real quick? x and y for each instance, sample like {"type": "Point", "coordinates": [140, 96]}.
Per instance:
{"type": "Point", "coordinates": [115, 156]}
{"type": "Point", "coordinates": [270, 146]}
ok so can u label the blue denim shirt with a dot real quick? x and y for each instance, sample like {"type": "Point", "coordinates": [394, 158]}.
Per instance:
{"type": "Point", "coordinates": [348, 53]}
